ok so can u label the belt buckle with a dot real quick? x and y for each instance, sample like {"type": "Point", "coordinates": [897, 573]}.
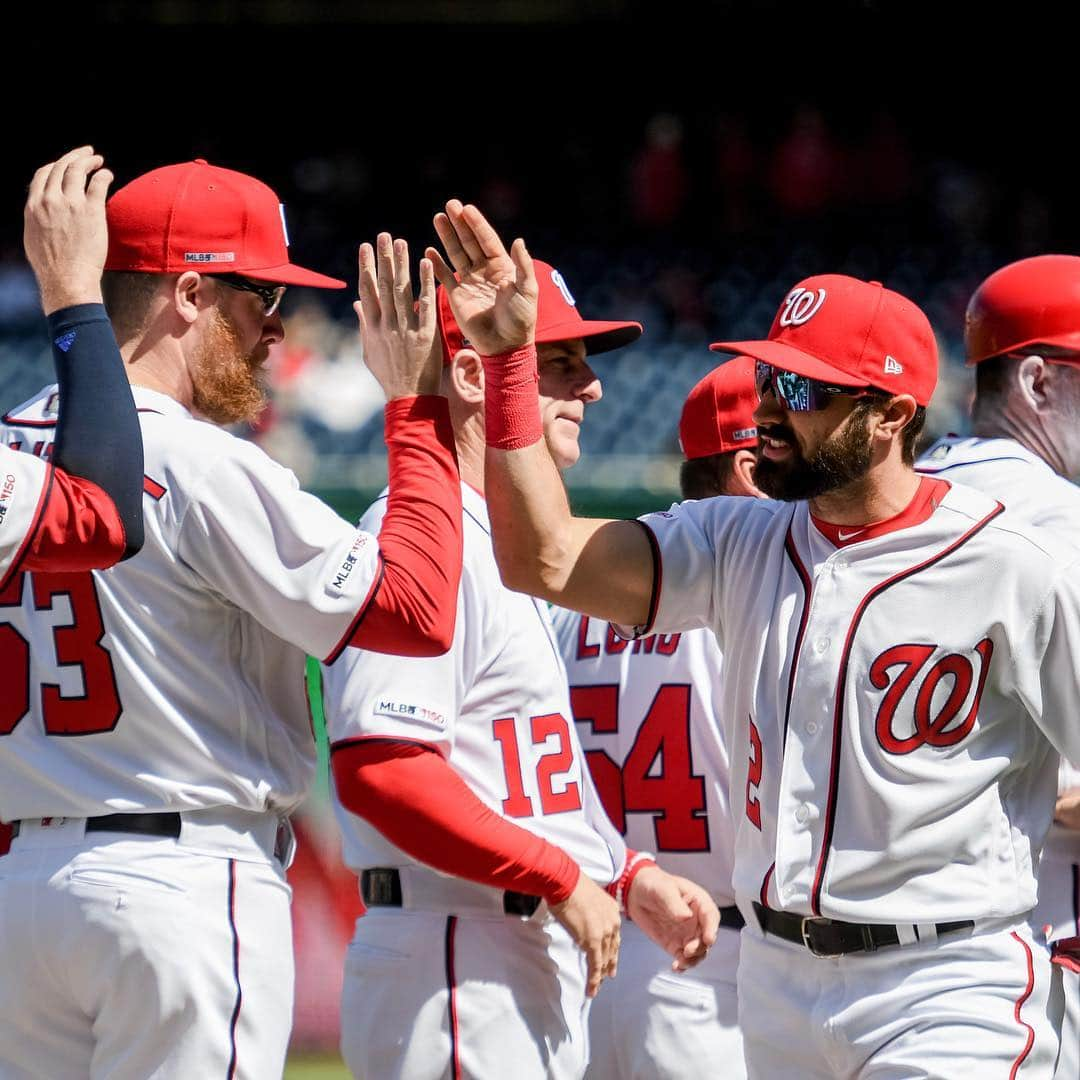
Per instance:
{"type": "Point", "coordinates": [806, 940]}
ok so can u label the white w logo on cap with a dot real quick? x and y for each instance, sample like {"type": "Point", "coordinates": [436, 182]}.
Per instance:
{"type": "Point", "coordinates": [801, 306]}
{"type": "Point", "coordinates": [560, 284]}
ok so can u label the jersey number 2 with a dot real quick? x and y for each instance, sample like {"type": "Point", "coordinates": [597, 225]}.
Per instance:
{"type": "Point", "coordinates": [78, 643]}
{"type": "Point", "coordinates": [657, 776]}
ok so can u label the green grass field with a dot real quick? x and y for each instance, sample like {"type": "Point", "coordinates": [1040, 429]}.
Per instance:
{"type": "Point", "coordinates": [315, 1067]}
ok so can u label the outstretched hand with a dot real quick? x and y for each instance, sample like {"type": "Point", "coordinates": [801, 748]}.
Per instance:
{"type": "Point", "coordinates": [397, 332]}
{"type": "Point", "coordinates": [494, 295]}
{"type": "Point", "coordinates": [677, 914]}
{"type": "Point", "coordinates": [64, 230]}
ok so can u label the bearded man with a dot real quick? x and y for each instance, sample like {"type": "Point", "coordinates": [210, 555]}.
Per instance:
{"type": "Point", "coordinates": [900, 677]}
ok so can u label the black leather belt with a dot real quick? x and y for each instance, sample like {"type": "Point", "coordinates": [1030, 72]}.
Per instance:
{"type": "Point", "coordinates": [731, 917]}
{"type": "Point", "coordinates": [164, 824]}
{"type": "Point", "coordinates": [381, 887]}
{"type": "Point", "coordinates": [829, 937]}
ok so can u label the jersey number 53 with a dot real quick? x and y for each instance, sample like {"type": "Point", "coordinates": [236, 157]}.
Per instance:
{"type": "Point", "coordinates": [77, 643]}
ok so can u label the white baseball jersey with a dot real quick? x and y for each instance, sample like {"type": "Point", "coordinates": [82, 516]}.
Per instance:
{"type": "Point", "coordinates": [647, 716]}
{"type": "Point", "coordinates": [23, 482]}
{"type": "Point", "coordinates": [1031, 492]}
{"type": "Point", "coordinates": [180, 673]}
{"type": "Point", "coordinates": [496, 706]}
{"type": "Point", "coordinates": [898, 704]}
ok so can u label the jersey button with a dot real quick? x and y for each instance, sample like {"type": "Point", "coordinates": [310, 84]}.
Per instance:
{"type": "Point", "coordinates": [821, 644]}
{"type": "Point", "coordinates": [801, 814]}
{"type": "Point", "coordinates": [811, 727]}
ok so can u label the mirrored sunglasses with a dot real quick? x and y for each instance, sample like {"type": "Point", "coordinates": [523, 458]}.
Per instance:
{"type": "Point", "coordinates": [799, 393]}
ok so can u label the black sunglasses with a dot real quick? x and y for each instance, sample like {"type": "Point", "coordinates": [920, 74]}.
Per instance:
{"type": "Point", "coordinates": [270, 295]}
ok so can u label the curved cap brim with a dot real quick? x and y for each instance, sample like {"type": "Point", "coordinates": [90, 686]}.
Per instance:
{"type": "Point", "coordinates": [289, 274]}
{"type": "Point", "coordinates": [787, 358]}
{"type": "Point", "coordinates": [599, 337]}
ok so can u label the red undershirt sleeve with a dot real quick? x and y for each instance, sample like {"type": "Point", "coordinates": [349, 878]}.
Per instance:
{"type": "Point", "coordinates": [79, 529]}
{"type": "Point", "coordinates": [415, 605]}
{"type": "Point", "coordinates": [415, 799]}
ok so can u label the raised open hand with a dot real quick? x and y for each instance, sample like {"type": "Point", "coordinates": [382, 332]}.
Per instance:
{"type": "Point", "coordinates": [494, 294]}
{"type": "Point", "coordinates": [397, 332]}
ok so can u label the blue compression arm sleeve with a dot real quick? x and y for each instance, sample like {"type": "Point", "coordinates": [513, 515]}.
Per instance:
{"type": "Point", "coordinates": [97, 433]}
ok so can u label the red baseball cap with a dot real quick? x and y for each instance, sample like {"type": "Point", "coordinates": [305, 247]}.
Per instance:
{"type": "Point", "coordinates": [718, 414]}
{"type": "Point", "coordinates": [1026, 305]}
{"type": "Point", "coordinates": [197, 216]}
{"type": "Point", "coordinates": [847, 332]}
{"type": "Point", "coordinates": [557, 319]}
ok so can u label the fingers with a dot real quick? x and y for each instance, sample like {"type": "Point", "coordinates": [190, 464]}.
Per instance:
{"type": "Point", "coordinates": [403, 294]}
{"type": "Point", "coordinates": [73, 178]}
{"type": "Point", "coordinates": [448, 237]}
{"type": "Point", "coordinates": [463, 228]}
{"type": "Point", "coordinates": [443, 272]}
{"type": "Point", "coordinates": [708, 914]}
{"type": "Point", "coordinates": [523, 264]}
{"type": "Point", "coordinates": [480, 234]}
{"type": "Point", "coordinates": [596, 967]}
{"type": "Point", "coordinates": [98, 188]}
{"type": "Point", "coordinates": [49, 178]}
{"type": "Point", "coordinates": [384, 273]}
{"type": "Point", "coordinates": [427, 313]}
{"type": "Point", "coordinates": [367, 288]}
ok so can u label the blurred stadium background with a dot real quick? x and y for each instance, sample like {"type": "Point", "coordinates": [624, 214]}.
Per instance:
{"type": "Point", "coordinates": [681, 169]}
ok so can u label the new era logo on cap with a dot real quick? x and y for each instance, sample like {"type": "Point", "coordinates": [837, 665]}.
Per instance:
{"type": "Point", "coordinates": [848, 332]}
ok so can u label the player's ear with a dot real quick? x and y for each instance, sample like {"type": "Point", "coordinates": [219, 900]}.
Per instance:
{"type": "Point", "coordinates": [741, 481]}
{"type": "Point", "coordinates": [467, 376]}
{"type": "Point", "coordinates": [1031, 377]}
{"type": "Point", "coordinates": [895, 415]}
{"type": "Point", "coordinates": [185, 296]}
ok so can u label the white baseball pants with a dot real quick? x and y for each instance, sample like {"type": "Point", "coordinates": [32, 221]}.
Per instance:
{"type": "Point", "coordinates": [979, 1005]}
{"type": "Point", "coordinates": [438, 997]}
{"type": "Point", "coordinates": [132, 957]}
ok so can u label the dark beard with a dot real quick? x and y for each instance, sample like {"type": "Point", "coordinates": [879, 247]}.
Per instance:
{"type": "Point", "coordinates": [226, 385]}
{"type": "Point", "coordinates": [839, 461]}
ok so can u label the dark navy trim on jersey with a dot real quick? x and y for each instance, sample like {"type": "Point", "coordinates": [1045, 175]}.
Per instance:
{"type": "Point", "coordinates": [808, 586]}
{"type": "Point", "coordinates": [765, 886]}
{"type": "Point", "coordinates": [236, 970]}
{"type": "Point", "coordinates": [354, 626]}
{"type": "Point", "coordinates": [1076, 897]}
{"type": "Point", "coordinates": [658, 578]}
{"type": "Point", "coordinates": [28, 539]}
{"type": "Point", "coordinates": [1020, 1004]}
{"type": "Point", "coordinates": [841, 679]}
{"type": "Point", "coordinates": [930, 470]}
{"type": "Point", "coordinates": [355, 740]}
{"type": "Point", "coordinates": [451, 988]}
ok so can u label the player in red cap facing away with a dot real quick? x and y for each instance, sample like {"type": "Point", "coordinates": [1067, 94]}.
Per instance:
{"type": "Point", "coordinates": [648, 715]}
{"type": "Point", "coordinates": [492, 876]}
{"type": "Point", "coordinates": [164, 739]}
{"type": "Point", "coordinates": [899, 665]}
{"type": "Point", "coordinates": [1022, 334]}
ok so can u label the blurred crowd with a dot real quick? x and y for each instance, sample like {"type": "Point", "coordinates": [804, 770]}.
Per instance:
{"type": "Point", "coordinates": [708, 221]}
